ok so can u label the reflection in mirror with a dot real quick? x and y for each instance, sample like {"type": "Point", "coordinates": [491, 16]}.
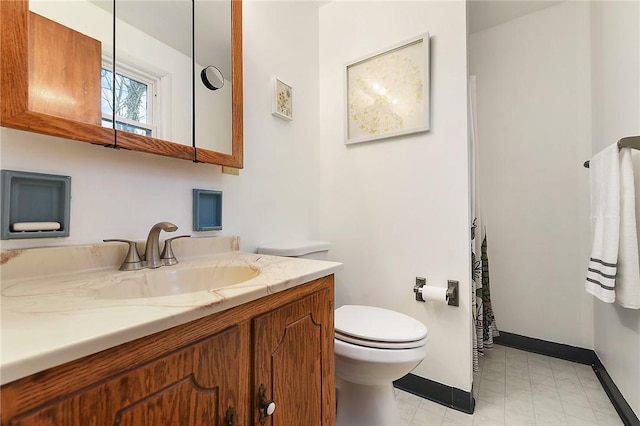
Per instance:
{"type": "Point", "coordinates": [151, 92]}
{"type": "Point", "coordinates": [68, 42]}
{"type": "Point", "coordinates": [212, 78]}
{"type": "Point", "coordinates": [64, 83]}
{"type": "Point", "coordinates": [213, 120]}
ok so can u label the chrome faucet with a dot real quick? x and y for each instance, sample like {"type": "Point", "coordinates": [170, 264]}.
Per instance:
{"type": "Point", "coordinates": [152, 257]}
{"type": "Point", "coordinates": [152, 249]}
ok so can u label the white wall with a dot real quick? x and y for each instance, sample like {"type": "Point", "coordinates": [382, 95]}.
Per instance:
{"type": "Point", "coordinates": [534, 128]}
{"type": "Point", "coordinates": [120, 194]}
{"type": "Point", "coordinates": [398, 208]}
{"type": "Point", "coordinates": [616, 113]}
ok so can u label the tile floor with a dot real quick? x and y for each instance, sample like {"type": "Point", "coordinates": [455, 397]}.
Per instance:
{"type": "Point", "coordinates": [518, 388]}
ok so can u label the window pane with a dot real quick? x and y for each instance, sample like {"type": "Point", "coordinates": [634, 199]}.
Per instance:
{"type": "Point", "coordinates": [130, 96]}
{"type": "Point", "coordinates": [106, 122]}
{"type": "Point", "coordinates": [132, 129]}
{"type": "Point", "coordinates": [106, 83]}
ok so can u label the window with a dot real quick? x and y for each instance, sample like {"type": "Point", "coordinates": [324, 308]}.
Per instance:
{"type": "Point", "coordinates": [130, 97]}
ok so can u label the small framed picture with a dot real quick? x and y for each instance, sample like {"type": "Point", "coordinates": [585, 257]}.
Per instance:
{"type": "Point", "coordinates": [282, 100]}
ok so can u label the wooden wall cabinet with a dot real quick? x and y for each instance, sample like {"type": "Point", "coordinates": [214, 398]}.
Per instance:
{"type": "Point", "coordinates": [21, 107]}
{"type": "Point", "coordinates": [207, 372]}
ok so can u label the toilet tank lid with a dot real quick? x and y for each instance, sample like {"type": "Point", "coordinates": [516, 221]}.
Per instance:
{"type": "Point", "coordinates": [294, 248]}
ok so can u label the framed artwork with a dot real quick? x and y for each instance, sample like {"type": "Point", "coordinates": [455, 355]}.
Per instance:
{"type": "Point", "coordinates": [387, 92]}
{"type": "Point", "coordinates": [282, 100]}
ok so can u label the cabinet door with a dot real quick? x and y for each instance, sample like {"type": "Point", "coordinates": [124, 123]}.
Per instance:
{"type": "Point", "coordinates": [195, 385]}
{"type": "Point", "coordinates": [293, 359]}
{"type": "Point", "coordinates": [64, 71]}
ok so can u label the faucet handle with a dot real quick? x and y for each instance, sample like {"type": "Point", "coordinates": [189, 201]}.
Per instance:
{"type": "Point", "coordinates": [132, 262]}
{"type": "Point", "coordinates": [167, 256]}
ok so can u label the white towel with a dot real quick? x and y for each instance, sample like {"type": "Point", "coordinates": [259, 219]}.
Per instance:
{"type": "Point", "coordinates": [604, 172]}
{"type": "Point", "coordinates": [613, 273]}
{"type": "Point", "coordinates": [628, 278]}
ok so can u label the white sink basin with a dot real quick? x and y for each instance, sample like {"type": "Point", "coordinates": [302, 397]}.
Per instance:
{"type": "Point", "coordinates": [170, 281]}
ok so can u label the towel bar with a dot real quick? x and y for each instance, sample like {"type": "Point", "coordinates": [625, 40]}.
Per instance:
{"type": "Point", "coordinates": [627, 142]}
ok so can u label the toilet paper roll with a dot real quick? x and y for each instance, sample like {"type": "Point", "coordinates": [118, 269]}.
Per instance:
{"type": "Point", "coordinates": [437, 294]}
{"type": "Point", "coordinates": [36, 226]}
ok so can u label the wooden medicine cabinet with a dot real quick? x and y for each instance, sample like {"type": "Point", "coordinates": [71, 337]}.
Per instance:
{"type": "Point", "coordinates": [52, 80]}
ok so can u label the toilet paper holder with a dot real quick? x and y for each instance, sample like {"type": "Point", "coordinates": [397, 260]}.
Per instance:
{"type": "Point", "coordinates": [451, 295]}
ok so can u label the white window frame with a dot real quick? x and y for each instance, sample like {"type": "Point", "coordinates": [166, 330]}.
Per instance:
{"type": "Point", "coordinates": [153, 82]}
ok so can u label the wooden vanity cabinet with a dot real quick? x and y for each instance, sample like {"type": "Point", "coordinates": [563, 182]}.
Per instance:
{"type": "Point", "coordinates": [189, 386]}
{"type": "Point", "coordinates": [293, 350]}
{"type": "Point", "coordinates": [206, 372]}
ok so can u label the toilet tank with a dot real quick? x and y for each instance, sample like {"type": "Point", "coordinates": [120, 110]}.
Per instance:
{"type": "Point", "coordinates": [306, 249]}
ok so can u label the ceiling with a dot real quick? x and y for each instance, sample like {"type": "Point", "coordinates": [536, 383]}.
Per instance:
{"type": "Point", "coordinates": [170, 22]}
{"type": "Point", "coordinates": [485, 14]}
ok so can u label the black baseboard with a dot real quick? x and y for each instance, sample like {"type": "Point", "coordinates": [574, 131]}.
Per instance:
{"type": "Point", "coordinates": [624, 410]}
{"type": "Point", "coordinates": [437, 392]}
{"type": "Point", "coordinates": [575, 354]}
{"type": "Point", "coordinates": [543, 347]}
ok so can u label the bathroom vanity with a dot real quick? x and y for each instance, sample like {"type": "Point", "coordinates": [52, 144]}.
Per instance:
{"type": "Point", "coordinates": [222, 356]}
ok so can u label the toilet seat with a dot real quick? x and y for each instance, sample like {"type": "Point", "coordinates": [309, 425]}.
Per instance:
{"type": "Point", "coordinates": [379, 328]}
{"type": "Point", "coordinates": [380, 345]}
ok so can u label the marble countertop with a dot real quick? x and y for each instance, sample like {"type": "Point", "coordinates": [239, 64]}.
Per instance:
{"type": "Point", "coordinates": [53, 309]}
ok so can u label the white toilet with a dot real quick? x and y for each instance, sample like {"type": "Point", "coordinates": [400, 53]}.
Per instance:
{"type": "Point", "coordinates": [373, 347]}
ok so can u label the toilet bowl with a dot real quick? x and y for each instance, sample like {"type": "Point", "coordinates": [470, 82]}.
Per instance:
{"type": "Point", "coordinates": [373, 347]}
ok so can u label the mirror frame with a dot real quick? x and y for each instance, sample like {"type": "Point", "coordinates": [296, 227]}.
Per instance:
{"type": "Point", "coordinates": [14, 103]}
{"type": "Point", "coordinates": [235, 159]}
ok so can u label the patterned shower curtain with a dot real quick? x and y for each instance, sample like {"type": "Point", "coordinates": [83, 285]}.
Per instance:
{"type": "Point", "coordinates": [482, 313]}
{"type": "Point", "coordinates": [484, 320]}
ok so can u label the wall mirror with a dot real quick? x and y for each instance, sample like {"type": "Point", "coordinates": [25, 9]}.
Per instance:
{"type": "Point", "coordinates": [213, 129]}
{"type": "Point", "coordinates": [138, 85]}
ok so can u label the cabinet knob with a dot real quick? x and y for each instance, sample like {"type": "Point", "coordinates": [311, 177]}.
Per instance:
{"type": "Point", "coordinates": [266, 406]}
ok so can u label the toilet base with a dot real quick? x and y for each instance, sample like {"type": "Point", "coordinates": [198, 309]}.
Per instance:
{"type": "Point", "coordinates": [365, 405]}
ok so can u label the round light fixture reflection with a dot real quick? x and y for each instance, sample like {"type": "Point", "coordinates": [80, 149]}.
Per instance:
{"type": "Point", "coordinates": [212, 78]}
